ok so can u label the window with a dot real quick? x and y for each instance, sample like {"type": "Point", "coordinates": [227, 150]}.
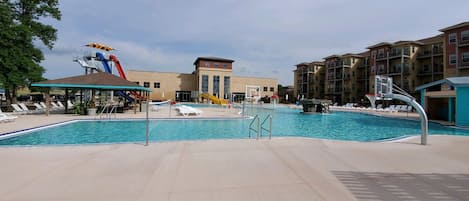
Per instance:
{"type": "Point", "coordinates": [271, 89]}
{"type": "Point", "coordinates": [226, 86]}
{"type": "Point", "coordinates": [204, 83]}
{"type": "Point", "coordinates": [380, 53]}
{"type": "Point", "coordinates": [465, 57]}
{"type": "Point", "coordinates": [452, 38]}
{"type": "Point", "coordinates": [216, 65]}
{"type": "Point", "coordinates": [207, 64]}
{"type": "Point", "coordinates": [216, 85]}
{"type": "Point", "coordinates": [465, 36]}
{"type": "Point", "coordinates": [452, 59]}
{"type": "Point", "coordinates": [137, 83]}
{"type": "Point", "coordinates": [265, 88]}
{"type": "Point", "coordinates": [156, 85]}
{"type": "Point", "coordinates": [381, 68]}
{"type": "Point", "coordinates": [146, 84]}
{"type": "Point", "coordinates": [225, 66]}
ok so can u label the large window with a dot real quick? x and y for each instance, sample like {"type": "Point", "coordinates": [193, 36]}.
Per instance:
{"type": "Point", "coordinates": [271, 89]}
{"type": "Point", "coordinates": [146, 84]}
{"type": "Point", "coordinates": [452, 38]}
{"type": "Point", "coordinates": [265, 88]}
{"type": "Point", "coordinates": [465, 57]}
{"type": "Point", "coordinates": [204, 83]}
{"type": "Point", "coordinates": [226, 86]}
{"type": "Point", "coordinates": [452, 59]}
{"type": "Point", "coordinates": [216, 85]}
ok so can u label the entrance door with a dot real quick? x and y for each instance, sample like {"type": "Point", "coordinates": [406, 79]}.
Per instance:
{"type": "Point", "coordinates": [183, 96]}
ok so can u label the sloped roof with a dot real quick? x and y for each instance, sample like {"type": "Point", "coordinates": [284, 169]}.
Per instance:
{"type": "Point", "coordinates": [379, 45]}
{"type": "Point", "coordinates": [100, 80]}
{"type": "Point", "coordinates": [452, 81]}
{"type": "Point", "coordinates": [462, 24]}
{"type": "Point", "coordinates": [434, 39]}
{"type": "Point", "coordinates": [213, 59]}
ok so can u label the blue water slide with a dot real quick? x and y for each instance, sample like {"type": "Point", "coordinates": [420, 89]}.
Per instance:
{"type": "Point", "coordinates": [108, 70]}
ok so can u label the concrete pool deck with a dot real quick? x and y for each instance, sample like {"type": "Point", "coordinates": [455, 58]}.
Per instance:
{"type": "Point", "coordinates": [258, 170]}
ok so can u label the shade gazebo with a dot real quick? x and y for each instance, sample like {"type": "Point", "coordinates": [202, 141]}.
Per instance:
{"type": "Point", "coordinates": [99, 81]}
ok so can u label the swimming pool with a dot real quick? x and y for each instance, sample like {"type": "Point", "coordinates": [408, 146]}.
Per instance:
{"type": "Point", "coordinates": [286, 122]}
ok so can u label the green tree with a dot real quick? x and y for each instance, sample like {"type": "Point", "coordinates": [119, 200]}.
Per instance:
{"type": "Point", "coordinates": [21, 28]}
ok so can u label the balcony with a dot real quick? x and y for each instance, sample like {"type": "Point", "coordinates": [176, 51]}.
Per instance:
{"type": "Point", "coordinates": [397, 53]}
{"type": "Point", "coordinates": [396, 69]}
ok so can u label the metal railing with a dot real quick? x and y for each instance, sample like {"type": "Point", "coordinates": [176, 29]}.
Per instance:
{"type": "Point", "coordinates": [109, 112]}
{"type": "Point", "coordinates": [269, 117]}
{"type": "Point", "coordinates": [258, 126]}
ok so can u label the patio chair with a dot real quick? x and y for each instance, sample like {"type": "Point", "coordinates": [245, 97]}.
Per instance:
{"type": "Point", "coordinates": [39, 108]}
{"type": "Point", "coordinates": [56, 107]}
{"type": "Point", "coordinates": [6, 117]}
{"type": "Point", "coordinates": [26, 109]}
{"type": "Point", "coordinates": [17, 109]}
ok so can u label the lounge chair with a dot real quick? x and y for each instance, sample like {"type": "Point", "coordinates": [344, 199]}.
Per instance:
{"type": "Point", "coordinates": [69, 104]}
{"type": "Point", "coordinates": [25, 108]}
{"type": "Point", "coordinates": [17, 109]}
{"type": "Point", "coordinates": [63, 106]}
{"type": "Point", "coordinates": [39, 108]}
{"type": "Point", "coordinates": [186, 110]}
{"type": "Point", "coordinates": [56, 107]}
{"type": "Point", "coordinates": [6, 117]}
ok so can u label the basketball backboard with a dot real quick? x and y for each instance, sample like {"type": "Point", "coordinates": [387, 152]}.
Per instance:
{"type": "Point", "coordinates": [383, 87]}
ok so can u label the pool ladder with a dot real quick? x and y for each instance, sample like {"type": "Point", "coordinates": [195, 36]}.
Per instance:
{"type": "Point", "coordinates": [259, 127]}
{"type": "Point", "coordinates": [108, 113]}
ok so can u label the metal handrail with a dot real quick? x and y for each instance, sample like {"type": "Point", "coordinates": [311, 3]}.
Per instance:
{"type": "Point", "coordinates": [108, 112]}
{"type": "Point", "coordinates": [253, 129]}
{"type": "Point", "coordinates": [102, 111]}
{"type": "Point", "coordinates": [269, 117]}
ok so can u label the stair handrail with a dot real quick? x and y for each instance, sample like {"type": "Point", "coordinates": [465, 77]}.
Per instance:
{"type": "Point", "coordinates": [256, 118]}
{"type": "Point", "coordinates": [268, 117]}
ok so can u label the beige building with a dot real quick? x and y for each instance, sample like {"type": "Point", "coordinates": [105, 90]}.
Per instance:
{"type": "Point", "coordinates": [212, 75]}
{"type": "Point", "coordinates": [309, 80]}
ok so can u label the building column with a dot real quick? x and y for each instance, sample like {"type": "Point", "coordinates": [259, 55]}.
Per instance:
{"type": "Point", "coordinates": [422, 98]}
{"type": "Point", "coordinates": [450, 109]}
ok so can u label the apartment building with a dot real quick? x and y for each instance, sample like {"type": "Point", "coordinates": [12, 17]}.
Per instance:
{"type": "Point", "coordinates": [456, 50]}
{"type": "Point", "coordinates": [396, 60]}
{"type": "Point", "coordinates": [342, 83]}
{"type": "Point", "coordinates": [212, 75]}
{"type": "Point", "coordinates": [309, 80]}
{"type": "Point", "coordinates": [430, 62]}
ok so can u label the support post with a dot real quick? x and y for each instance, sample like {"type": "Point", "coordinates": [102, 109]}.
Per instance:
{"type": "Point", "coordinates": [422, 114]}
{"type": "Point", "coordinates": [147, 125]}
{"type": "Point", "coordinates": [47, 94]}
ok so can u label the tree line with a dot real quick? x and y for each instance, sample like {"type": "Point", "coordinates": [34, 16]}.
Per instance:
{"type": "Point", "coordinates": [21, 28]}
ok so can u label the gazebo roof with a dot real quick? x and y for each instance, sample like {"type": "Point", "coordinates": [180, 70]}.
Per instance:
{"type": "Point", "coordinates": [98, 80]}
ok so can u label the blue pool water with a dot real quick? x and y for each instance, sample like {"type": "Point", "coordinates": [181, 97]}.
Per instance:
{"type": "Point", "coordinates": [286, 122]}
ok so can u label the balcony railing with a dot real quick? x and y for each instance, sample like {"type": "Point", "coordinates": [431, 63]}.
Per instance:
{"type": "Point", "coordinates": [399, 52]}
{"type": "Point", "coordinates": [397, 69]}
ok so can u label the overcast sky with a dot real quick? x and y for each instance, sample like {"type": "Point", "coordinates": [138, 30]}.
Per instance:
{"type": "Point", "coordinates": [266, 38]}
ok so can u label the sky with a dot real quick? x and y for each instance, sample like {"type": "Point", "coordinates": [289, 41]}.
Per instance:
{"type": "Point", "coordinates": [266, 38]}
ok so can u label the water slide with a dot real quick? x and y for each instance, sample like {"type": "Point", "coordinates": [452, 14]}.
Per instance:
{"type": "Point", "coordinates": [214, 99]}
{"type": "Point", "coordinates": [114, 59]}
{"type": "Point", "coordinates": [108, 70]}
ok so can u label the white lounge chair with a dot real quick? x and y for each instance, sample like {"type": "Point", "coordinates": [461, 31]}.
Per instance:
{"type": "Point", "coordinates": [56, 107]}
{"type": "Point", "coordinates": [186, 110]}
{"type": "Point", "coordinates": [26, 109]}
{"type": "Point", "coordinates": [6, 117]}
{"type": "Point", "coordinates": [69, 104]}
{"type": "Point", "coordinates": [17, 109]}
{"type": "Point", "coordinates": [39, 108]}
